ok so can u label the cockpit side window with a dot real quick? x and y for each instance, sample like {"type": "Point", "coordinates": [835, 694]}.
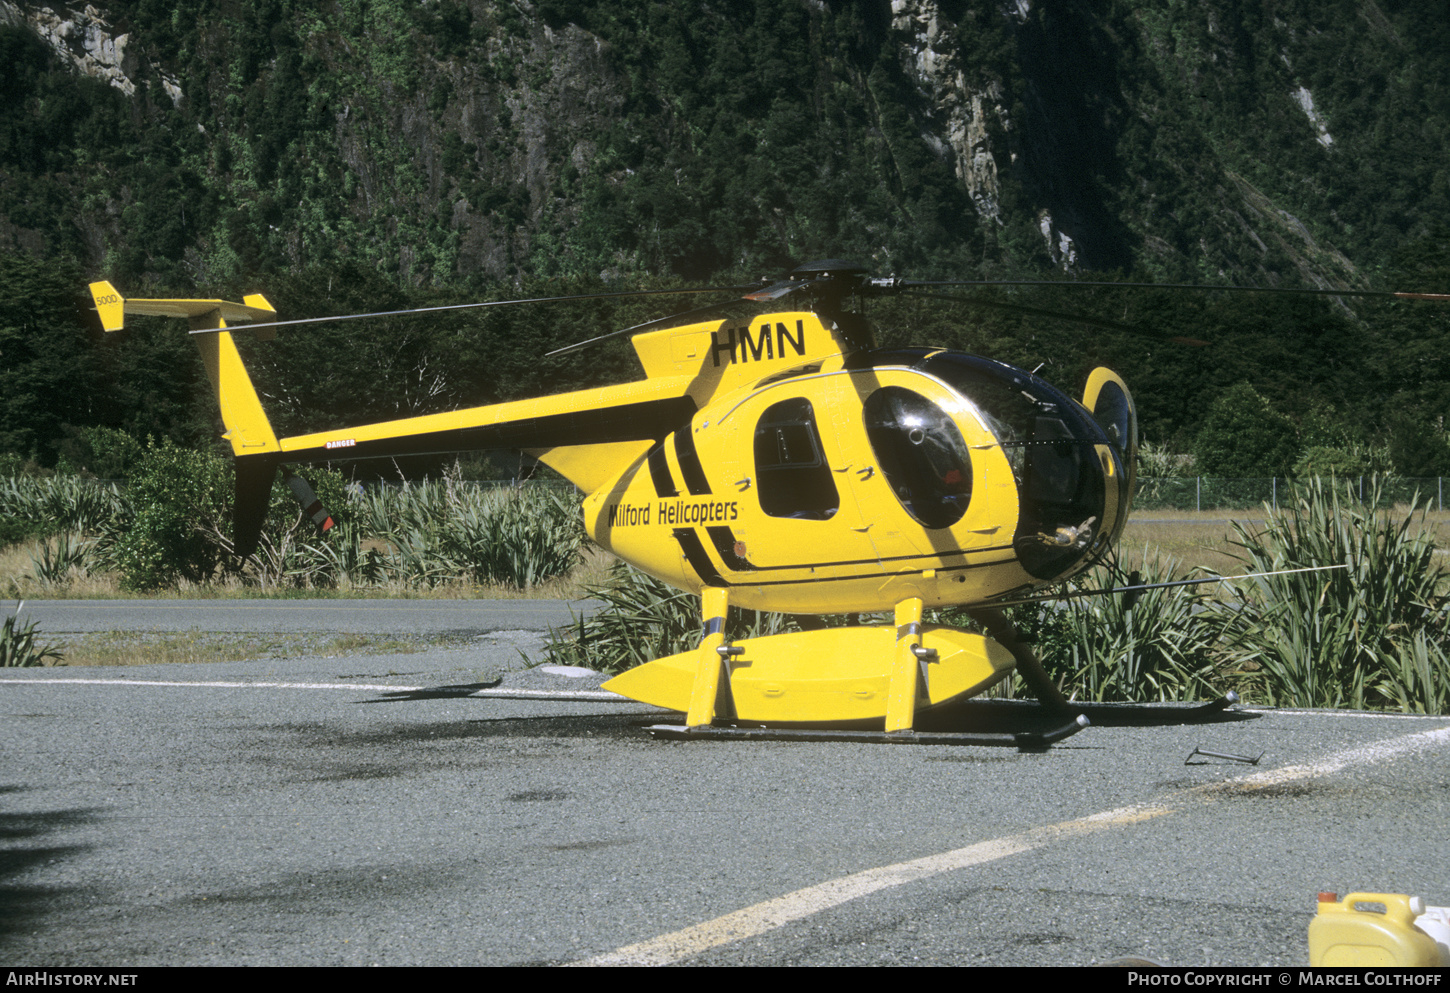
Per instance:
{"type": "Point", "coordinates": [794, 479]}
{"type": "Point", "coordinates": [922, 455]}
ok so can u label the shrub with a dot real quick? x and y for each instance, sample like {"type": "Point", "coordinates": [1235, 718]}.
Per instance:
{"type": "Point", "coordinates": [1157, 462]}
{"type": "Point", "coordinates": [1341, 460]}
{"type": "Point", "coordinates": [108, 453]}
{"type": "Point", "coordinates": [14, 530]}
{"type": "Point", "coordinates": [182, 501]}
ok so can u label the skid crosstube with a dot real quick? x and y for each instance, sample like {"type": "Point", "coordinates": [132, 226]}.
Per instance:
{"type": "Point", "coordinates": [1027, 741]}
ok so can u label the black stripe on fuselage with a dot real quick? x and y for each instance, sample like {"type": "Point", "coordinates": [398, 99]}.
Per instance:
{"type": "Point", "coordinates": [704, 566]}
{"type": "Point", "coordinates": [699, 561]}
{"type": "Point", "coordinates": [895, 558]}
{"type": "Point", "coordinates": [659, 472]}
{"type": "Point", "coordinates": [689, 460]}
{"type": "Point", "coordinates": [648, 420]}
{"type": "Point", "coordinates": [867, 575]}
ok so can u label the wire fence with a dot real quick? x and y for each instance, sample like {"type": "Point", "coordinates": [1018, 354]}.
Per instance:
{"type": "Point", "coordinates": [1217, 493]}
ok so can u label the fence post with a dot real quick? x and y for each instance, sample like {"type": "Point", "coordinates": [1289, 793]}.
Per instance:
{"type": "Point", "coordinates": [1199, 501]}
{"type": "Point", "coordinates": [1276, 493]}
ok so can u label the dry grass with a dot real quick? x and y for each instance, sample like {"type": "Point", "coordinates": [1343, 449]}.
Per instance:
{"type": "Point", "coordinates": [1198, 544]}
{"type": "Point", "coordinates": [17, 579]}
{"type": "Point", "coordinates": [127, 648]}
{"type": "Point", "coordinates": [1204, 538]}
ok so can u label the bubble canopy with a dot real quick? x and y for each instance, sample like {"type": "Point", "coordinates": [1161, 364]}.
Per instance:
{"type": "Point", "coordinates": [1052, 443]}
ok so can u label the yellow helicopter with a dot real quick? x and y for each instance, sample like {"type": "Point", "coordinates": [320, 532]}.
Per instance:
{"type": "Point", "coordinates": [778, 461]}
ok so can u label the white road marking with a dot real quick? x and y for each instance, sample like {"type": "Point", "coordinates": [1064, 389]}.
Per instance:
{"type": "Point", "coordinates": [771, 914]}
{"type": "Point", "coordinates": [1379, 751]}
{"type": "Point", "coordinates": [217, 683]}
{"type": "Point", "coordinates": [775, 913]}
{"type": "Point", "coordinates": [601, 696]}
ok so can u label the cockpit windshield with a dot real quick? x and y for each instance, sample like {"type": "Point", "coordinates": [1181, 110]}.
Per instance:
{"type": "Point", "coordinates": [1048, 439]}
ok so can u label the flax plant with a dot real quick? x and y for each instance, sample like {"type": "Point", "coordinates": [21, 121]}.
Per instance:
{"type": "Point", "coordinates": [643, 619]}
{"type": "Point", "coordinates": [341, 559]}
{"type": "Point", "coordinates": [18, 647]}
{"type": "Point", "coordinates": [442, 531]}
{"type": "Point", "coordinates": [1155, 647]}
{"type": "Point", "coordinates": [56, 504]}
{"type": "Point", "coordinates": [1369, 634]}
{"type": "Point", "coordinates": [59, 561]}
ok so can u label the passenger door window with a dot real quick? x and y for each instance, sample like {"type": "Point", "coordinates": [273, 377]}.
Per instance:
{"type": "Point", "coordinates": [792, 473]}
{"type": "Point", "coordinates": [922, 454]}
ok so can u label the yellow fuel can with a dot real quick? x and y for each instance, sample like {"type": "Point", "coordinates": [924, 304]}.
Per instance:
{"type": "Point", "coordinates": [1355, 931]}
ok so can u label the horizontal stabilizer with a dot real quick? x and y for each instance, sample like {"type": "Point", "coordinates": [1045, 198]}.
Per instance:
{"type": "Point", "coordinates": [112, 307]}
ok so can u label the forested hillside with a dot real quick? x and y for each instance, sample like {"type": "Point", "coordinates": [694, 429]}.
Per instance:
{"type": "Point", "coordinates": [369, 154]}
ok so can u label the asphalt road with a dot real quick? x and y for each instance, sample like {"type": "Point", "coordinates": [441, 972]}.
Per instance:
{"type": "Point", "coordinates": [365, 809]}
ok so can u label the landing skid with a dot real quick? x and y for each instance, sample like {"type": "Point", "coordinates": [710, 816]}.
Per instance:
{"type": "Point", "coordinates": [1215, 706]}
{"type": "Point", "coordinates": [1027, 741]}
{"type": "Point", "coordinates": [823, 684]}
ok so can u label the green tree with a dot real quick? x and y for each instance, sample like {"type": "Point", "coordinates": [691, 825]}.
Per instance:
{"type": "Point", "coordinates": [182, 497]}
{"type": "Point", "coordinates": [46, 365]}
{"type": "Point", "coordinates": [1243, 435]}
{"type": "Point", "coordinates": [1409, 362]}
{"type": "Point", "coordinates": [1418, 445]}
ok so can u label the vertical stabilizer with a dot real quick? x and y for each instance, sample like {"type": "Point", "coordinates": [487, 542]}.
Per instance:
{"type": "Point", "coordinates": [247, 428]}
{"type": "Point", "coordinates": [110, 305]}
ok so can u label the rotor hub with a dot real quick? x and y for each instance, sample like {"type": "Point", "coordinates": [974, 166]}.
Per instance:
{"type": "Point", "coordinates": [828, 268]}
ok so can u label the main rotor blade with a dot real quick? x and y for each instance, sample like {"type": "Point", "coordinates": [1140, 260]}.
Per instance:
{"type": "Point", "coordinates": [768, 294]}
{"type": "Point", "coordinates": [1069, 283]}
{"type": "Point", "coordinates": [1100, 322]}
{"type": "Point", "coordinates": [774, 291]}
{"type": "Point", "coordinates": [660, 322]}
{"type": "Point", "coordinates": [486, 303]}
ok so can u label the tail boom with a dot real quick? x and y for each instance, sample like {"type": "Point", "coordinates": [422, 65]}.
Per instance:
{"type": "Point", "coordinates": [590, 436]}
